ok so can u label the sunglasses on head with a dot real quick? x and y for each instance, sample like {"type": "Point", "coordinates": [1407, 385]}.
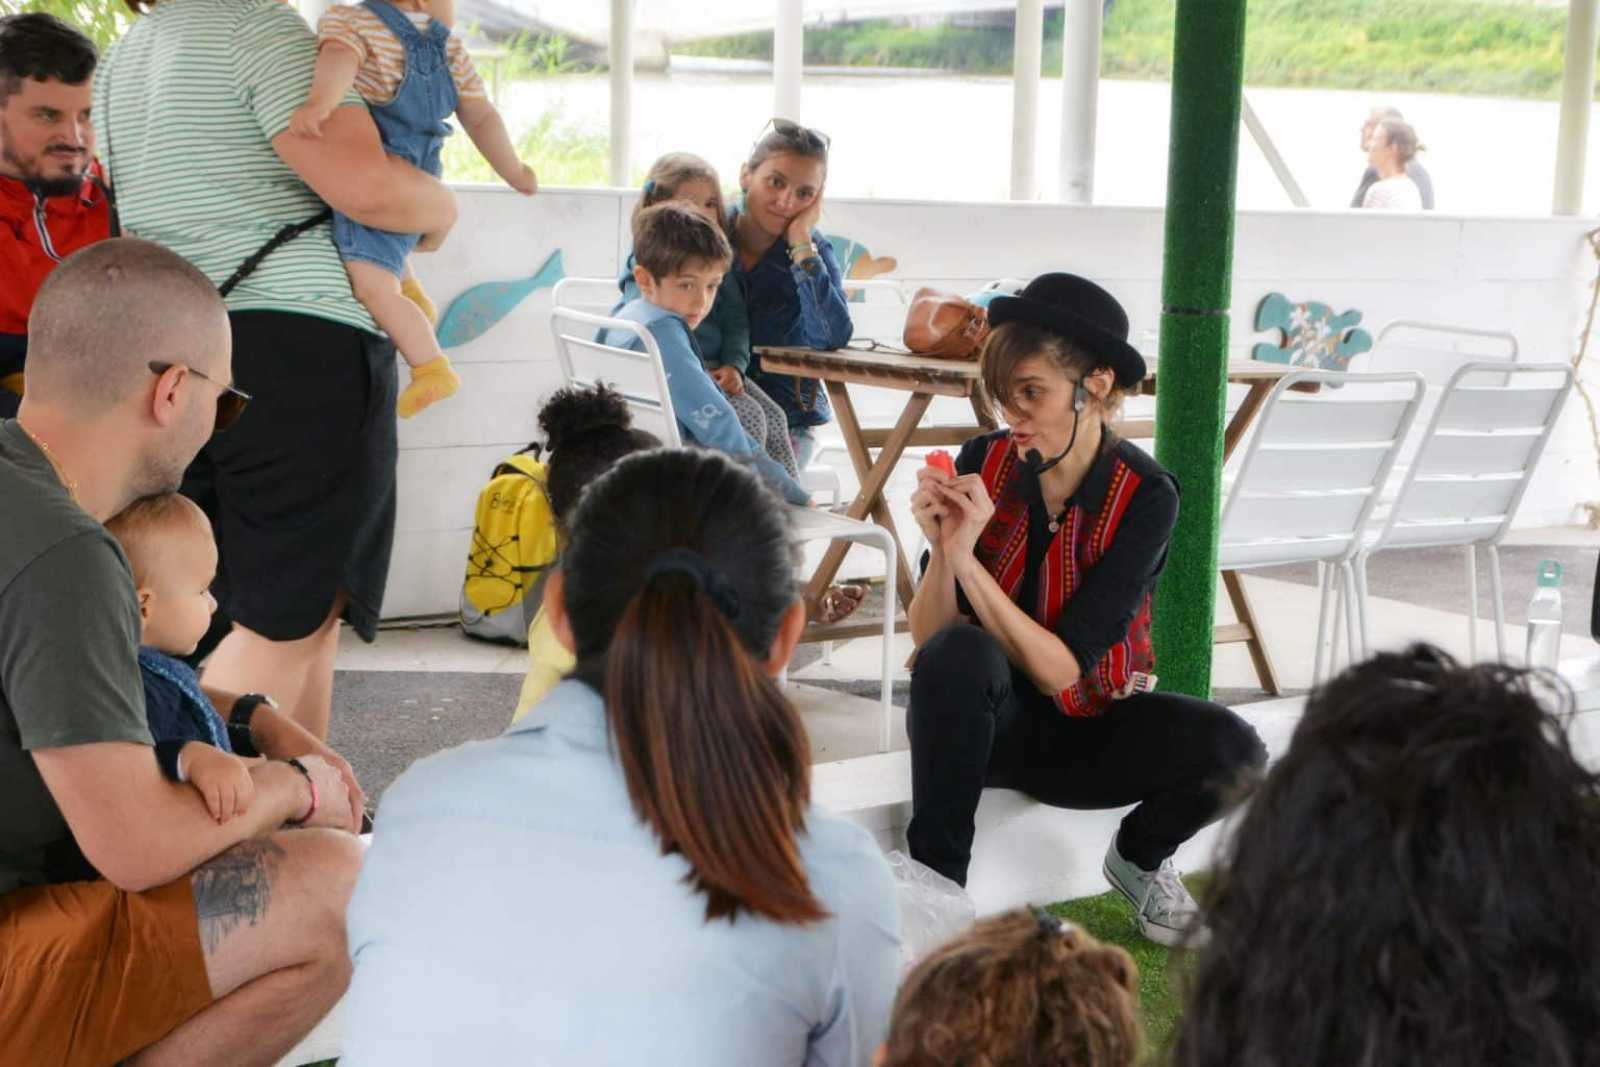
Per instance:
{"type": "Point", "coordinates": [795, 133]}
{"type": "Point", "coordinates": [230, 400]}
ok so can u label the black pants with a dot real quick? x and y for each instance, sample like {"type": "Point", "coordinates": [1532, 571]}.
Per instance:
{"type": "Point", "coordinates": [977, 721]}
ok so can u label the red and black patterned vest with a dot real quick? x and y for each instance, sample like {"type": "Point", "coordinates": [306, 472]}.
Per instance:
{"type": "Point", "coordinates": [1078, 545]}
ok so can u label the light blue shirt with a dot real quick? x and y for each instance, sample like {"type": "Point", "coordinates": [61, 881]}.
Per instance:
{"type": "Point", "coordinates": [705, 417]}
{"type": "Point", "coordinates": [514, 909]}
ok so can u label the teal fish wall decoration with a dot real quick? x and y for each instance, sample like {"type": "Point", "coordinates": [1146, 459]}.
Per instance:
{"type": "Point", "coordinates": [476, 311]}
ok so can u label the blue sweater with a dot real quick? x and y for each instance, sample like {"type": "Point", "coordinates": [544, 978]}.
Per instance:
{"type": "Point", "coordinates": [702, 411]}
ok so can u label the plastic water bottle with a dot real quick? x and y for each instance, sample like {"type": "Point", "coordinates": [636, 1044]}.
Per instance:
{"type": "Point", "coordinates": [1544, 618]}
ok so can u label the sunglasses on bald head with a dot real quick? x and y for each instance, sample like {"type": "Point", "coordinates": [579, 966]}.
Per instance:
{"type": "Point", "coordinates": [230, 400]}
{"type": "Point", "coordinates": [796, 134]}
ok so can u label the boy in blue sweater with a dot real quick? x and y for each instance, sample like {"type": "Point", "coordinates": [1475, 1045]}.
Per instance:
{"type": "Point", "coordinates": [680, 258]}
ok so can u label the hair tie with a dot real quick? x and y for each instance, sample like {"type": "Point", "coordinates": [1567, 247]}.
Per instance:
{"type": "Point", "coordinates": [649, 186]}
{"type": "Point", "coordinates": [716, 585]}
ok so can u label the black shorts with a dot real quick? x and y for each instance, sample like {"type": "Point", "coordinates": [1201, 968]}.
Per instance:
{"type": "Point", "coordinates": [301, 490]}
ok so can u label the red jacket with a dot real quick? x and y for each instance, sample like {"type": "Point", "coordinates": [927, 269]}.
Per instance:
{"type": "Point", "coordinates": [36, 234]}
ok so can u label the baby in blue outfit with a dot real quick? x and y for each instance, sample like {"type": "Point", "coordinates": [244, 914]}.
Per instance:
{"type": "Point", "coordinates": [168, 542]}
{"type": "Point", "coordinates": [679, 259]}
{"type": "Point", "coordinates": [413, 73]}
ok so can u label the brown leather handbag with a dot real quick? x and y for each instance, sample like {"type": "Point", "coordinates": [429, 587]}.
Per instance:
{"type": "Point", "coordinates": [944, 325]}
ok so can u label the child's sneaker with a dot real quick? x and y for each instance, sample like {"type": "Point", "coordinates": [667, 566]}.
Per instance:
{"type": "Point", "coordinates": [430, 383]}
{"type": "Point", "coordinates": [412, 290]}
{"type": "Point", "coordinates": [1168, 914]}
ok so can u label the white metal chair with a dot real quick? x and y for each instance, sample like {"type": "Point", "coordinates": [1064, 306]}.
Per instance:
{"type": "Point", "coordinates": [641, 378]}
{"type": "Point", "coordinates": [1310, 478]}
{"type": "Point", "coordinates": [597, 296]}
{"type": "Point", "coordinates": [1471, 468]}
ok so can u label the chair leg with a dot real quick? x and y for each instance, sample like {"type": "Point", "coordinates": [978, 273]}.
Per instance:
{"type": "Point", "coordinates": [1472, 603]}
{"type": "Point", "coordinates": [1319, 662]}
{"type": "Point", "coordinates": [1497, 590]}
{"type": "Point", "coordinates": [1352, 612]}
{"type": "Point", "coordinates": [1359, 565]}
{"type": "Point", "coordinates": [890, 610]}
{"type": "Point", "coordinates": [1340, 607]}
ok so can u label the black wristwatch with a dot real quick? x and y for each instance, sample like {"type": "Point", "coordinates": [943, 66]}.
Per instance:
{"type": "Point", "coordinates": [246, 706]}
{"type": "Point", "coordinates": [239, 721]}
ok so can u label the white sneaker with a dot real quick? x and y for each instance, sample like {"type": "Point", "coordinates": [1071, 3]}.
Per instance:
{"type": "Point", "coordinates": [1168, 914]}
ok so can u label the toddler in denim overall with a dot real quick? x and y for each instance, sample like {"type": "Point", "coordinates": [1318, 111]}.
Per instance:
{"type": "Point", "coordinates": [413, 74]}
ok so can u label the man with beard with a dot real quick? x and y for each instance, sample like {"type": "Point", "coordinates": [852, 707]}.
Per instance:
{"type": "Point", "coordinates": [133, 926]}
{"type": "Point", "coordinates": [52, 201]}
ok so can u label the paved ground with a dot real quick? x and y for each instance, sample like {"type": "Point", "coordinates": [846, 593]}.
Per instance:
{"type": "Point", "coordinates": [385, 719]}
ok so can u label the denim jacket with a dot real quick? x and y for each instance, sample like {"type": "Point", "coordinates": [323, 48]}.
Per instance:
{"type": "Point", "coordinates": [704, 416]}
{"type": "Point", "coordinates": [801, 305]}
{"type": "Point", "coordinates": [724, 336]}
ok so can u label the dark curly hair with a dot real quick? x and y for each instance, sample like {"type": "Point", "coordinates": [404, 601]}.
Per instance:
{"type": "Point", "coordinates": [587, 430]}
{"type": "Point", "coordinates": [1020, 989]}
{"type": "Point", "coordinates": [1415, 883]}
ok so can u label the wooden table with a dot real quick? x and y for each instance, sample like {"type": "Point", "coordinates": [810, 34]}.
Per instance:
{"type": "Point", "coordinates": [921, 379]}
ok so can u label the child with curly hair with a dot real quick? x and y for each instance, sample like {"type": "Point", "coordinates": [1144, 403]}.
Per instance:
{"type": "Point", "coordinates": [1022, 989]}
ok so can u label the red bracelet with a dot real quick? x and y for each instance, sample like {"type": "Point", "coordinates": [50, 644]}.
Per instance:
{"type": "Point", "coordinates": [310, 781]}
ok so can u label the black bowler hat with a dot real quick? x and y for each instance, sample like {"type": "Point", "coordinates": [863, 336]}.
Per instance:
{"type": "Point", "coordinates": [1080, 311]}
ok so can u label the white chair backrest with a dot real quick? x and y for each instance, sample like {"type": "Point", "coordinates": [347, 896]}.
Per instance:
{"type": "Point", "coordinates": [597, 296]}
{"type": "Point", "coordinates": [638, 376]}
{"type": "Point", "coordinates": [1478, 453]}
{"type": "Point", "coordinates": [1312, 472]}
{"type": "Point", "coordinates": [1435, 350]}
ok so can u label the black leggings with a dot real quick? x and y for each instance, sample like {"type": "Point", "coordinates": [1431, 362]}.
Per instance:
{"type": "Point", "coordinates": [976, 721]}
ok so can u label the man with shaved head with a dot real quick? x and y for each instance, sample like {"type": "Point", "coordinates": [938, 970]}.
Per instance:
{"type": "Point", "coordinates": [137, 929]}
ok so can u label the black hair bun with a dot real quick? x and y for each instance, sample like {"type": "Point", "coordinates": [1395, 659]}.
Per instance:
{"type": "Point", "coordinates": [575, 412]}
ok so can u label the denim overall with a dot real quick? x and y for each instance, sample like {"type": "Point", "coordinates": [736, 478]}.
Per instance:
{"type": "Point", "coordinates": [412, 127]}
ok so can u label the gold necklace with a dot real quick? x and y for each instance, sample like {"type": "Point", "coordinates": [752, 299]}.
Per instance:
{"type": "Point", "coordinates": [55, 464]}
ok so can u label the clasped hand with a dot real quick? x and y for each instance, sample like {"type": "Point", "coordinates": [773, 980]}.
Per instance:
{"type": "Point", "coordinates": [952, 512]}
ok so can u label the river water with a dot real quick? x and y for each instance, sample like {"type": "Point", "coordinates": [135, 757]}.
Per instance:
{"type": "Point", "coordinates": [949, 138]}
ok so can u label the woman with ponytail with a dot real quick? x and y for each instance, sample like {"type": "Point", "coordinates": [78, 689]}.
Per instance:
{"type": "Point", "coordinates": [637, 876]}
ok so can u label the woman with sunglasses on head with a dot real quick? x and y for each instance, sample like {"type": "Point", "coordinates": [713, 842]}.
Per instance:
{"type": "Point", "coordinates": [793, 285]}
{"type": "Point", "coordinates": [1034, 669]}
{"type": "Point", "coordinates": [635, 874]}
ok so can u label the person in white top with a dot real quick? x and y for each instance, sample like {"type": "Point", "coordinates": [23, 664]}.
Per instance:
{"type": "Point", "coordinates": [1393, 145]}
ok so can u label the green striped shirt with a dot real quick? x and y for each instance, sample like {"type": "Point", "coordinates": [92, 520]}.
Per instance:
{"type": "Point", "coordinates": [186, 105]}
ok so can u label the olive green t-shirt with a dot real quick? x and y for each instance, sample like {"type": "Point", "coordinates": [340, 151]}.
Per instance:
{"type": "Point", "coordinates": [69, 655]}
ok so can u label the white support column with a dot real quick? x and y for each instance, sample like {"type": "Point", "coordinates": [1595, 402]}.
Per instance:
{"type": "Point", "coordinates": [1080, 97]}
{"type": "Point", "coordinates": [788, 56]}
{"type": "Point", "coordinates": [621, 92]}
{"type": "Point", "coordinates": [1026, 59]}
{"type": "Point", "coordinates": [1577, 94]}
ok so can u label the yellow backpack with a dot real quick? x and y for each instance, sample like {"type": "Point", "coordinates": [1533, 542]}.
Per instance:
{"type": "Point", "coordinates": [513, 550]}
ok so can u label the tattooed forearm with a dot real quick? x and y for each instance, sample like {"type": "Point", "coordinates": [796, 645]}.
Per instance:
{"type": "Point", "coordinates": [234, 889]}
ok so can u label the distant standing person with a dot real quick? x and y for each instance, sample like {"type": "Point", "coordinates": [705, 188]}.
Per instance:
{"type": "Point", "coordinates": [1393, 145]}
{"type": "Point", "coordinates": [1414, 170]}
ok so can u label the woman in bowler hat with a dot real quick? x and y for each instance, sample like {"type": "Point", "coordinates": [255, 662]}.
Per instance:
{"type": "Point", "coordinates": [1034, 669]}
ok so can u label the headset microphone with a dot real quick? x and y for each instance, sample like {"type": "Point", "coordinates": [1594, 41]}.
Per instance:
{"type": "Point", "coordinates": [1037, 463]}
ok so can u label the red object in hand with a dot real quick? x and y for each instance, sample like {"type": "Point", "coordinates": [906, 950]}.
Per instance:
{"type": "Point", "coordinates": [940, 460]}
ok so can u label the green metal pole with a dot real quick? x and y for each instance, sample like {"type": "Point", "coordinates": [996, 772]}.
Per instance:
{"type": "Point", "coordinates": [1196, 285]}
